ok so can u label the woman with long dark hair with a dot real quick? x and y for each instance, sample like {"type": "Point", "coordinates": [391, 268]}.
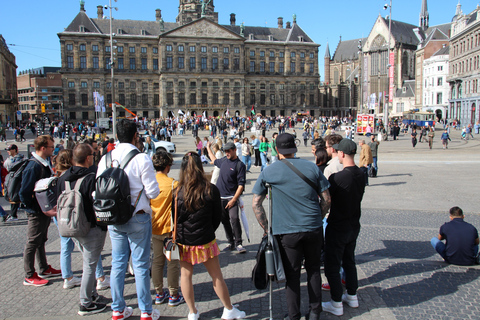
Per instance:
{"type": "Point", "coordinates": [199, 210]}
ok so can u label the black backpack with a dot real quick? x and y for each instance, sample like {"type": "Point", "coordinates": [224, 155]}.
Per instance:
{"type": "Point", "coordinates": [13, 180]}
{"type": "Point", "coordinates": [112, 204]}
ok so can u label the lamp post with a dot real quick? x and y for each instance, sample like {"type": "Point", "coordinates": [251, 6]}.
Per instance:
{"type": "Point", "coordinates": [112, 73]}
{"type": "Point", "coordinates": [385, 107]}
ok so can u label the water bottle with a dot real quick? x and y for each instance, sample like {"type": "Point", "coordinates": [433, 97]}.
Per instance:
{"type": "Point", "coordinates": [269, 260]}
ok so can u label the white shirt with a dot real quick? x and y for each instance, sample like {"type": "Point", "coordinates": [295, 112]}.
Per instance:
{"type": "Point", "coordinates": [140, 172]}
{"type": "Point", "coordinates": [333, 166]}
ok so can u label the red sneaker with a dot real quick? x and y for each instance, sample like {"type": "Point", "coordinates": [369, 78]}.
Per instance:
{"type": "Point", "coordinates": [50, 272]}
{"type": "Point", "coordinates": [35, 281]}
{"type": "Point", "coordinates": [326, 285]}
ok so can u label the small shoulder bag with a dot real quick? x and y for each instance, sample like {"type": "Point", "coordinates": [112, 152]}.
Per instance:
{"type": "Point", "coordinates": [170, 246]}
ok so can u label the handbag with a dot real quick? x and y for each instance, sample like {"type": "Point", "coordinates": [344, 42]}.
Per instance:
{"type": "Point", "coordinates": [170, 246]}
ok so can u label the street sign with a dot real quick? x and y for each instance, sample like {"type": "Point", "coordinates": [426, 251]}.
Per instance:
{"type": "Point", "coordinates": [19, 113]}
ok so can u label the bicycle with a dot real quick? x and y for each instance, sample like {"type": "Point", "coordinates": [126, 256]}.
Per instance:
{"type": "Point", "coordinates": [297, 142]}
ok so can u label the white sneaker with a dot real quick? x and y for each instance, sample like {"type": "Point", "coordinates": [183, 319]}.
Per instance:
{"type": "Point", "coordinates": [72, 283]}
{"type": "Point", "coordinates": [194, 316]}
{"type": "Point", "coordinates": [153, 316]}
{"type": "Point", "coordinates": [233, 314]}
{"type": "Point", "coordinates": [333, 307]}
{"type": "Point", "coordinates": [105, 284]}
{"type": "Point", "coordinates": [126, 313]}
{"type": "Point", "coordinates": [352, 301]}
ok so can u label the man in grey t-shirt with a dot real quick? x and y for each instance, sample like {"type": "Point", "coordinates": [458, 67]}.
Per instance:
{"type": "Point", "coordinates": [296, 221]}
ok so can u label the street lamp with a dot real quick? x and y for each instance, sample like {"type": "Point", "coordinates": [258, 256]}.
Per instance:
{"type": "Point", "coordinates": [390, 79]}
{"type": "Point", "coordinates": [112, 65]}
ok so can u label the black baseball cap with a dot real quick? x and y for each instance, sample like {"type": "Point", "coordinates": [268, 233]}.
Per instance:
{"type": "Point", "coordinates": [286, 144]}
{"type": "Point", "coordinates": [347, 146]}
{"type": "Point", "coordinates": [12, 146]}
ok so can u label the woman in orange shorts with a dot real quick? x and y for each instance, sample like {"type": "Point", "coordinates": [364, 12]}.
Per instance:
{"type": "Point", "coordinates": [198, 216]}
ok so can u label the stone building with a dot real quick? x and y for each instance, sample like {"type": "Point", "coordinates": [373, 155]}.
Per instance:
{"type": "Point", "coordinates": [8, 83]}
{"type": "Point", "coordinates": [435, 85]}
{"type": "Point", "coordinates": [340, 92]}
{"type": "Point", "coordinates": [194, 65]}
{"type": "Point", "coordinates": [464, 67]}
{"type": "Point", "coordinates": [40, 86]}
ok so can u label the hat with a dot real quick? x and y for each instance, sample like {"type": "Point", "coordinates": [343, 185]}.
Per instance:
{"type": "Point", "coordinates": [286, 143]}
{"type": "Point", "coordinates": [12, 146]}
{"type": "Point", "coordinates": [347, 146]}
{"type": "Point", "coordinates": [229, 146]}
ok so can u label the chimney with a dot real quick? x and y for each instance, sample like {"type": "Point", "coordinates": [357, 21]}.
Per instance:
{"type": "Point", "coordinates": [288, 25]}
{"type": "Point", "coordinates": [280, 22]}
{"type": "Point", "coordinates": [232, 19]}
{"type": "Point", "coordinates": [82, 5]}
{"type": "Point", "coordinates": [158, 14]}
{"type": "Point", "coordinates": [100, 12]}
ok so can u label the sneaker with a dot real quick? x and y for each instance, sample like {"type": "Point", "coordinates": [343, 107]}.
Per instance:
{"type": "Point", "coordinates": [35, 281]}
{"type": "Point", "coordinates": [10, 218]}
{"type": "Point", "coordinates": [161, 298]}
{"type": "Point", "coordinates": [95, 298]}
{"type": "Point", "coordinates": [352, 301]}
{"type": "Point", "coordinates": [173, 302]}
{"type": "Point", "coordinates": [4, 218]}
{"type": "Point", "coordinates": [194, 316]}
{"type": "Point", "coordinates": [229, 247]}
{"type": "Point", "coordinates": [126, 313]}
{"type": "Point", "coordinates": [92, 309]}
{"type": "Point", "coordinates": [333, 307]}
{"type": "Point", "coordinates": [233, 314]}
{"type": "Point", "coordinates": [72, 283]}
{"type": "Point", "coordinates": [50, 272]}
{"type": "Point", "coordinates": [152, 316]}
{"type": "Point", "coordinates": [105, 284]}
{"type": "Point", "coordinates": [241, 249]}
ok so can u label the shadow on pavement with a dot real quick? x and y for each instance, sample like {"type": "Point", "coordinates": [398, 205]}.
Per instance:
{"type": "Point", "coordinates": [397, 249]}
{"type": "Point", "coordinates": [438, 284]}
{"type": "Point", "coordinates": [386, 184]}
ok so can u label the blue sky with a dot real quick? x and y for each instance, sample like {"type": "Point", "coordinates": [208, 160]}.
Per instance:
{"type": "Point", "coordinates": [33, 25]}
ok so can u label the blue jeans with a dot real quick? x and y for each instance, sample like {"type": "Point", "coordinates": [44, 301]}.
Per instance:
{"type": "Point", "coordinates": [247, 160]}
{"type": "Point", "coordinates": [440, 247]}
{"type": "Point", "coordinates": [263, 156]}
{"type": "Point", "coordinates": [66, 248]}
{"type": "Point", "coordinates": [135, 236]}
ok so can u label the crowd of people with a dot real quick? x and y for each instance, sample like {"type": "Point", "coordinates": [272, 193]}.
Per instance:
{"type": "Point", "coordinates": [311, 219]}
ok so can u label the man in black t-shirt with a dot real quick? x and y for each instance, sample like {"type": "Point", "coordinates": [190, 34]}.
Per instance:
{"type": "Point", "coordinates": [462, 240]}
{"type": "Point", "coordinates": [346, 191]}
{"type": "Point", "coordinates": [230, 183]}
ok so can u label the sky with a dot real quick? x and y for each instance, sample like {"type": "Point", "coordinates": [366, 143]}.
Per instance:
{"type": "Point", "coordinates": [30, 28]}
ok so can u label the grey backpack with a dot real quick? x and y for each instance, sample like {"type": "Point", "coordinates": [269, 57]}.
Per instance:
{"type": "Point", "coordinates": [72, 221]}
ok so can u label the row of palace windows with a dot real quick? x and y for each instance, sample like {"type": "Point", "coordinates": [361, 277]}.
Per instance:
{"type": "Point", "coordinates": [120, 49]}
{"type": "Point", "coordinates": [203, 49]}
{"type": "Point", "coordinates": [226, 99]}
{"type": "Point", "coordinates": [132, 99]}
{"type": "Point", "coordinates": [252, 85]}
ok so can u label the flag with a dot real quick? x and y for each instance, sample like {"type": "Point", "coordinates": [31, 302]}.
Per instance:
{"type": "Point", "coordinates": [227, 113]}
{"type": "Point", "coordinates": [253, 109]}
{"type": "Point", "coordinates": [180, 112]}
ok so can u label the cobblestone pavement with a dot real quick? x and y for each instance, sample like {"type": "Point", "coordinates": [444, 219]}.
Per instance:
{"type": "Point", "coordinates": [401, 277]}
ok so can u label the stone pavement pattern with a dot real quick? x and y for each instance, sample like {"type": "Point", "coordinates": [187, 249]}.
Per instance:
{"type": "Point", "coordinates": [400, 275]}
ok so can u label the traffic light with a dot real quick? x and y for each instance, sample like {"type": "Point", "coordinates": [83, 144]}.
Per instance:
{"type": "Point", "coordinates": [43, 107]}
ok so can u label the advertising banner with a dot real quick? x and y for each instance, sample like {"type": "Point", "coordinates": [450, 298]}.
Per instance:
{"type": "Point", "coordinates": [363, 120]}
{"type": "Point", "coordinates": [391, 75]}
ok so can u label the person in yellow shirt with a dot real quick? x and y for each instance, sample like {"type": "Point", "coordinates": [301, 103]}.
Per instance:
{"type": "Point", "coordinates": [161, 229]}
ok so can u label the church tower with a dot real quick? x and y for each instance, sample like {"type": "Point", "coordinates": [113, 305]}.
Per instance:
{"type": "Point", "coordinates": [327, 60]}
{"type": "Point", "coordinates": [190, 10]}
{"type": "Point", "coordinates": [424, 17]}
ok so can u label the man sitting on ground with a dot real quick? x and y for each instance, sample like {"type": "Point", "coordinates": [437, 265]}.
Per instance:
{"type": "Point", "coordinates": [461, 247]}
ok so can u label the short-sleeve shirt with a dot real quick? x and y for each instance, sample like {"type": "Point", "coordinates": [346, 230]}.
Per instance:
{"type": "Point", "coordinates": [346, 190]}
{"type": "Point", "coordinates": [231, 176]}
{"type": "Point", "coordinates": [460, 241]}
{"type": "Point", "coordinates": [295, 203]}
